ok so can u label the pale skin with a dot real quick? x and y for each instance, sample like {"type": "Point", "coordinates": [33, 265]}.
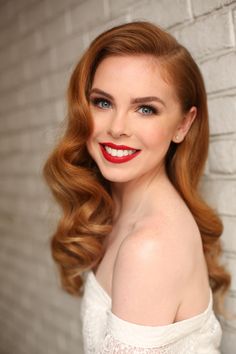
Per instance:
{"type": "Point", "coordinates": [154, 268]}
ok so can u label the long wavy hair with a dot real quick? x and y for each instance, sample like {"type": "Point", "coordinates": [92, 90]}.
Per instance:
{"type": "Point", "coordinates": [80, 189]}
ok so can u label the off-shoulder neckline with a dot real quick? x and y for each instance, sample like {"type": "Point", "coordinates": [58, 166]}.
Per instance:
{"type": "Point", "coordinates": [99, 287]}
{"type": "Point", "coordinates": [187, 320]}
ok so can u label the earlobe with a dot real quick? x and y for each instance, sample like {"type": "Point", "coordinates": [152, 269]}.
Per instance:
{"type": "Point", "coordinates": [185, 125]}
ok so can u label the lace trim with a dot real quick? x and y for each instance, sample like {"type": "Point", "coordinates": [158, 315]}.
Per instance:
{"type": "Point", "coordinates": [112, 346]}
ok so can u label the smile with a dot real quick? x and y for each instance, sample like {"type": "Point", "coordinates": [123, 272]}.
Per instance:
{"type": "Point", "coordinates": [118, 153]}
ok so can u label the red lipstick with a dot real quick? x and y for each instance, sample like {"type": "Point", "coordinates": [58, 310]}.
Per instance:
{"type": "Point", "coordinates": [118, 159]}
{"type": "Point", "coordinates": [118, 147]}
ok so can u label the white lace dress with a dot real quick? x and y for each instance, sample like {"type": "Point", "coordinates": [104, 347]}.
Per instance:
{"type": "Point", "coordinates": [103, 332]}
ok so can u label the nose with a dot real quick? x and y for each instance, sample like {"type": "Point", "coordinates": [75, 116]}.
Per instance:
{"type": "Point", "coordinates": [119, 126]}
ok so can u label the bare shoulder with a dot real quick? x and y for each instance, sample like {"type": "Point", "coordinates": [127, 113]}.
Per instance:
{"type": "Point", "coordinates": [149, 277]}
{"type": "Point", "coordinates": [151, 271]}
{"type": "Point", "coordinates": [173, 230]}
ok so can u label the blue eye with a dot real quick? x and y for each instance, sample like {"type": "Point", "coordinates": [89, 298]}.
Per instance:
{"type": "Point", "coordinates": [147, 110]}
{"type": "Point", "coordinates": [101, 103]}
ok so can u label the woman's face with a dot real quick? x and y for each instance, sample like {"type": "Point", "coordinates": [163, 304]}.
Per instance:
{"type": "Point", "coordinates": [136, 115]}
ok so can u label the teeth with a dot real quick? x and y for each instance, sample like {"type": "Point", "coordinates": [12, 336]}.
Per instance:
{"type": "Point", "coordinates": [118, 153]}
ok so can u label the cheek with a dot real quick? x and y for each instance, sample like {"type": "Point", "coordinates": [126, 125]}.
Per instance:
{"type": "Point", "coordinates": [92, 137]}
{"type": "Point", "coordinates": [98, 129]}
{"type": "Point", "coordinates": [99, 126]}
{"type": "Point", "coordinates": [156, 136]}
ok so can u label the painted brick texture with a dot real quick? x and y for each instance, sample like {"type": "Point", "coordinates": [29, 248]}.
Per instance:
{"type": "Point", "coordinates": [40, 42]}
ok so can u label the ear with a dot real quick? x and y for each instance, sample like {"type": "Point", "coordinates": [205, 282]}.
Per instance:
{"type": "Point", "coordinates": [185, 125]}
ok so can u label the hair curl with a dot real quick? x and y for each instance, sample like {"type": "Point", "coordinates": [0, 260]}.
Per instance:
{"type": "Point", "coordinates": [78, 186]}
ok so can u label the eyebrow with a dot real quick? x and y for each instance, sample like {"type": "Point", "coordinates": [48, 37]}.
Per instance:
{"type": "Point", "coordinates": [134, 100]}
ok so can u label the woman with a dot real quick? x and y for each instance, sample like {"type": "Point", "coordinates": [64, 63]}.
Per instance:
{"type": "Point", "coordinates": [126, 174]}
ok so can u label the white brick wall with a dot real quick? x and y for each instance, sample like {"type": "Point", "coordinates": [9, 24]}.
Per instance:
{"type": "Point", "coordinates": [40, 41]}
{"type": "Point", "coordinates": [219, 23]}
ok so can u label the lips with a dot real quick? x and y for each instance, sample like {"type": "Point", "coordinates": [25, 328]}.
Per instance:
{"type": "Point", "coordinates": [118, 153]}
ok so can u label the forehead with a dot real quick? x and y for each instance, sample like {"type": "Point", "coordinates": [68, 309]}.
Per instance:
{"type": "Point", "coordinates": [137, 74]}
{"type": "Point", "coordinates": [128, 64]}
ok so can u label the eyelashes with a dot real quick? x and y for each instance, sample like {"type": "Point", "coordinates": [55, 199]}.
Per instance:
{"type": "Point", "coordinates": [102, 103]}
{"type": "Point", "coordinates": [97, 101]}
{"type": "Point", "coordinates": [149, 110]}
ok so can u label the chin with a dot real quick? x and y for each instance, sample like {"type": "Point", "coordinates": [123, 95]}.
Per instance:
{"type": "Point", "coordinates": [116, 176]}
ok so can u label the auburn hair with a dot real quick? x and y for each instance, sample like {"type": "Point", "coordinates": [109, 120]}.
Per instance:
{"type": "Point", "coordinates": [80, 189]}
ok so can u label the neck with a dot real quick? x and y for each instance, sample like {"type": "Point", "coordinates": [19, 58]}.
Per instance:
{"type": "Point", "coordinates": [132, 198]}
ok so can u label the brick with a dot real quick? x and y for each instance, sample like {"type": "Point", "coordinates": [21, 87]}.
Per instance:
{"type": "Point", "coordinates": [29, 141]}
{"type": "Point", "coordinates": [25, 47]}
{"type": "Point", "coordinates": [234, 22]}
{"type": "Point", "coordinates": [12, 77]}
{"type": "Point", "coordinates": [46, 134]}
{"type": "Point", "coordinates": [162, 12]}
{"type": "Point", "coordinates": [53, 32]}
{"type": "Point", "coordinates": [228, 238]}
{"type": "Point", "coordinates": [228, 340]}
{"type": "Point", "coordinates": [88, 13]}
{"type": "Point", "coordinates": [9, 102]}
{"type": "Point", "coordinates": [56, 84]}
{"type": "Point", "coordinates": [9, 10]}
{"type": "Point", "coordinates": [220, 194]}
{"type": "Point", "coordinates": [31, 235]}
{"type": "Point", "coordinates": [222, 157]}
{"type": "Point", "coordinates": [13, 143]}
{"type": "Point", "coordinates": [61, 109]}
{"type": "Point", "coordinates": [230, 305]}
{"type": "Point", "coordinates": [9, 33]}
{"type": "Point", "coordinates": [201, 7]}
{"type": "Point", "coordinates": [6, 204]}
{"type": "Point", "coordinates": [68, 52]}
{"type": "Point", "coordinates": [55, 7]}
{"type": "Point", "coordinates": [6, 12]}
{"type": "Point", "coordinates": [29, 117]}
{"type": "Point", "coordinates": [33, 92]}
{"type": "Point", "coordinates": [118, 8]}
{"type": "Point", "coordinates": [222, 113]}
{"type": "Point", "coordinates": [32, 164]}
{"type": "Point", "coordinates": [39, 65]}
{"type": "Point", "coordinates": [34, 15]}
{"type": "Point", "coordinates": [44, 114]}
{"type": "Point", "coordinates": [103, 27]}
{"type": "Point", "coordinates": [220, 36]}
{"type": "Point", "coordinates": [231, 265]}
{"type": "Point", "coordinates": [24, 207]}
{"type": "Point", "coordinates": [206, 168]}
{"type": "Point", "coordinates": [219, 73]}
{"type": "Point", "coordinates": [18, 50]}
{"type": "Point", "coordinates": [9, 56]}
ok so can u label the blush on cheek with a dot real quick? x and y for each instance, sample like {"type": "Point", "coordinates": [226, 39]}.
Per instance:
{"type": "Point", "coordinates": [154, 139]}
